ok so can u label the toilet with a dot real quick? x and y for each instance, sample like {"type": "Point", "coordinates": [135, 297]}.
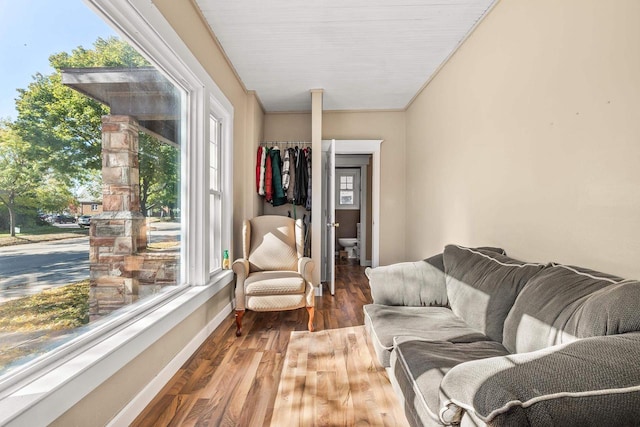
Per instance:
{"type": "Point", "coordinates": [349, 244]}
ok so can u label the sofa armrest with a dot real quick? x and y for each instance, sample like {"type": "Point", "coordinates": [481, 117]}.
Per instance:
{"type": "Point", "coordinates": [590, 382]}
{"type": "Point", "coordinates": [241, 268]}
{"type": "Point", "coordinates": [420, 283]}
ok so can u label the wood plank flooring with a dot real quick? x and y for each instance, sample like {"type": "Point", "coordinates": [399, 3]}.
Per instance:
{"type": "Point", "coordinates": [279, 374]}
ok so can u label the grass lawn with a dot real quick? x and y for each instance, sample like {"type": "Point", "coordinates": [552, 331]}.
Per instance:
{"type": "Point", "coordinates": [64, 307]}
{"type": "Point", "coordinates": [29, 324]}
{"type": "Point", "coordinates": [42, 234]}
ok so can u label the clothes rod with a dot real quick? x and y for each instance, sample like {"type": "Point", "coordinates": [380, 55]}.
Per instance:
{"type": "Point", "coordinates": [285, 143]}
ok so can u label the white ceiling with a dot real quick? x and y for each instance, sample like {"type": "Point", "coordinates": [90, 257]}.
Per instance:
{"type": "Point", "coordinates": [365, 54]}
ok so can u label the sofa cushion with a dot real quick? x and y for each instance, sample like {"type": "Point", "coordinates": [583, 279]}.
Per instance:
{"type": "Point", "coordinates": [563, 303]}
{"type": "Point", "coordinates": [418, 367]}
{"type": "Point", "coordinates": [589, 382]}
{"type": "Point", "coordinates": [419, 283]}
{"type": "Point", "coordinates": [483, 285]}
{"type": "Point", "coordinates": [384, 323]}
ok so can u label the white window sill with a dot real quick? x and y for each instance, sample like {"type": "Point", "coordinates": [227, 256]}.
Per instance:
{"type": "Point", "coordinates": [46, 395]}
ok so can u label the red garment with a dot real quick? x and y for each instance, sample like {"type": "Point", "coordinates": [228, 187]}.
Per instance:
{"type": "Point", "coordinates": [258, 167]}
{"type": "Point", "coordinates": [268, 180]}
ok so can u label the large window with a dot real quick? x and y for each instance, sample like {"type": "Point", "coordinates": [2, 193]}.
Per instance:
{"type": "Point", "coordinates": [179, 233]}
{"type": "Point", "coordinates": [72, 128]}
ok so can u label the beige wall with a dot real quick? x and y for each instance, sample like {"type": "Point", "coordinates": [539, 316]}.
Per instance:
{"type": "Point", "coordinates": [390, 127]}
{"type": "Point", "coordinates": [529, 138]}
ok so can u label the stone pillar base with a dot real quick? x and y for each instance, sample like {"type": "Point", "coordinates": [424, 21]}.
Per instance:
{"type": "Point", "coordinates": [114, 237]}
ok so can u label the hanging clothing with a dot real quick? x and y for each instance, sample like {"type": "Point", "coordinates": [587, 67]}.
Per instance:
{"type": "Point", "coordinates": [292, 174]}
{"type": "Point", "coordinates": [268, 178]}
{"type": "Point", "coordinates": [302, 177]}
{"type": "Point", "coordinates": [258, 169]}
{"type": "Point", "coordinates": [307, 155]}
{"type": "Point", "coordinates": [263, 170]}
{"type": "Point", "coordinates": [285, 171]}
{"type": "Point", "coordinates": [279, 197]}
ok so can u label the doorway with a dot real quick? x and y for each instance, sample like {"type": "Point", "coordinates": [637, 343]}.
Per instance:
{"type": "Point", "coordinates": [349, 151]}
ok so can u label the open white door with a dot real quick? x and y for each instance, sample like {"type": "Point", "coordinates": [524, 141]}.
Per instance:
{"type": "Point", "coordinates": [331, 215]}
{"type": "Point", "coordinates": [328, 268]}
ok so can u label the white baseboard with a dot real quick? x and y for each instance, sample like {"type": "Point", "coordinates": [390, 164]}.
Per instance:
{"type": "Point", "coordinates": [142, 399]}
{"type": "Point", "coordinates": [319, 290]}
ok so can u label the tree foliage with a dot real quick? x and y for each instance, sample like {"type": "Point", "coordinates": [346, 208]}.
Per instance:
{"type": "Point", "coordinates": [66, 125]}
{"type": "Point", "coordinates": [25, 180]}
{"type": "Point", "coordinates": [64, 122]}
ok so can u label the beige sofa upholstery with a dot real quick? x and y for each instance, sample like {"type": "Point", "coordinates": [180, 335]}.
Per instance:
{"type": "Point", "coordinates": [273, 274]}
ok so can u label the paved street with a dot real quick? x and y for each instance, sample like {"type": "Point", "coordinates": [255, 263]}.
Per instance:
{"type": "Point", "coordinates": [31, 268]}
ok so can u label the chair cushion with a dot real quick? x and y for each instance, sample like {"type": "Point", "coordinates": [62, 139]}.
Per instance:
{"type": "Point", "coordinates": [419, 366]}
{"type": "Point", "coordinates": [433, 323]}
{"type": "Point", "coordinates": [563, 303]}
{"type": "Point", "coordinates": [275, 302]}
{"type": "Point", "coordinates": [483, 285]}
{"type": "Point", "coordinates": [274, 283]}
{"type": "Point", "coordinates": [272, 243]}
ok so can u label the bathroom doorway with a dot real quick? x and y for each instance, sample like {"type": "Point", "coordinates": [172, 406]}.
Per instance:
{"type": "Point", "coordinates": [353, 208]}
{"type": "Point", "coordinates": [348, 151]}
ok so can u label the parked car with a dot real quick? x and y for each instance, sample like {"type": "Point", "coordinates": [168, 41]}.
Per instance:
{"type": "Point", "coordinates": [63, 219]}
{"type": "Point", "coordinates": [84, 221]}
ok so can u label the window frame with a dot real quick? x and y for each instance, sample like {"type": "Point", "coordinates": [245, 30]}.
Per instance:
{"type": "Point", "coordinates": [42, 390]}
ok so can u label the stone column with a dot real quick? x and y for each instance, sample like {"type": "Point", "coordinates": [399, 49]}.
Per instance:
{"type": "Point", "coordinates": [118, 233]}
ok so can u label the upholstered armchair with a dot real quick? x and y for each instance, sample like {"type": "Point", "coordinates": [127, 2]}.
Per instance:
{"type": "Point", "coordinates": [273, 274]}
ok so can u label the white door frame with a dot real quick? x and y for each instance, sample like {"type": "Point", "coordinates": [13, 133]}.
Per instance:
{"type": "Point", "coordinates": [367, 146]}
{"type": "Point", "coordinates": [357, 161]}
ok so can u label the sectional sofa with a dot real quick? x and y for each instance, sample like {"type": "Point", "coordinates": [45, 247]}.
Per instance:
{"type": "Point", "coordinates": [473, 337]}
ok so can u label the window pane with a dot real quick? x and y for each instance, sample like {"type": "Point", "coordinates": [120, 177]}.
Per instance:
{"type": "Point", "coordinates": [126, 195]}
{"type": "Point", "coordinates": [215, 231]}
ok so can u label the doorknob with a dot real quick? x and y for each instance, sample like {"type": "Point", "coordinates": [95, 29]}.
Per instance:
{"type": "Point", "coordinates": [333, 224]}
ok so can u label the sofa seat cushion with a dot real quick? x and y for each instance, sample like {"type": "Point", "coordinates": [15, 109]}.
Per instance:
{"type": "Point", "coordinates": [483, 285]}
{"type": "Point", "coordinates": [384, 323]}
{"type": "Point", "coordinates": [589, 382]}
{"type": "Point", "coordinates": [419, 366]}
{"type": "Point", "coordinates": [274, 283]}
{"type": "Point", "coordinates": [563, 303]}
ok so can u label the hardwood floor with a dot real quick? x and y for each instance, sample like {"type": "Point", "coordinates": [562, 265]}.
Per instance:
{"type": "Point", "coordinates": [279, 374]}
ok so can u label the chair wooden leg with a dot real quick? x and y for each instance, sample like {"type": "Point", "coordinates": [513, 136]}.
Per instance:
{"type": "Point", "coordinates": [311, 312]}
{"type": "Point", "coordinates": [239, 314]}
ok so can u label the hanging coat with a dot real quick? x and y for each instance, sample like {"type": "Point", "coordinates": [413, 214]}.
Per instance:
{"type": "Point", "coordinates": [258, 169]}
{"type": "Point", "coordinates": [279, 197]}
{"type": "Point", "coordinates": [268, 178]}
{"type": "Point", "coordinates": [263, 170]}
{"type": "Point", "coordinates": [292, 174]}
{"type": "Point", "coordinates": [285, 170]}
{"type": "Point", "coordinates": [302, 176]}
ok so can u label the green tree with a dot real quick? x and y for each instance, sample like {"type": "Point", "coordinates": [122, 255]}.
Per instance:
{"type": "Point", "coordinates": [66, 125]}
{"type": "Point", "coordinates": [64, 122]}
{"type": "Point", "coordinates": [159, 169]}
{"type": "Point", "coordinates": [25, 180]}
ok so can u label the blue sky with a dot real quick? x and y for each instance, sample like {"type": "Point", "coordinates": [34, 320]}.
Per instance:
{"type": "Point", "coordinates": [30, 31]}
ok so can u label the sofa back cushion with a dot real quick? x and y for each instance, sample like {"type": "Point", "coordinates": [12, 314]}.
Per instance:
{"type": "Point", "coordinates": [412, 284]}
{"type": "Point", "coordinates": [563, 303]}
{"type": "Point", "coordinates": [416, 284]}
{"type": "Point", "coordinates": [483, 285]}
